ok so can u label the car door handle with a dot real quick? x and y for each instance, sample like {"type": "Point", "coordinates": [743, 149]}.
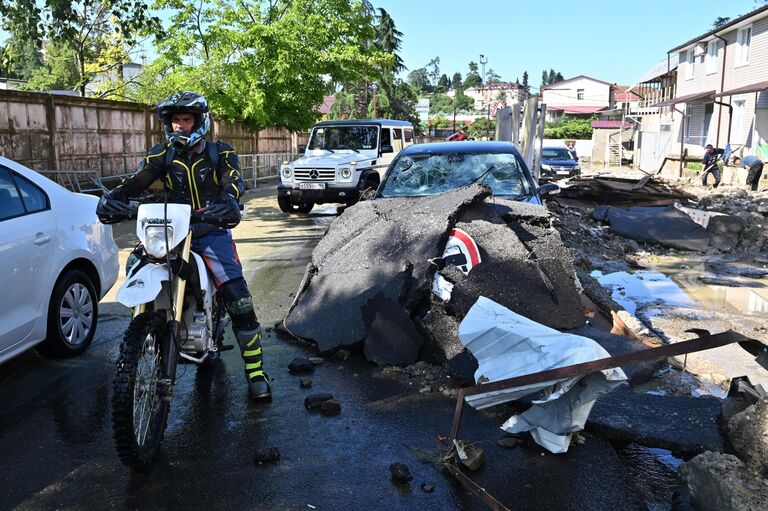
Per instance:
{"type": "Point", "coordinates": [41, 240]}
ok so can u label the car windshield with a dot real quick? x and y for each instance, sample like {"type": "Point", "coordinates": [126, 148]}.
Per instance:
{"type": "Point", "coordinates": [555, 153]}
{"type": "Point", "coordinates": [343, 137]}
{"type": "Point", "coordinates": [429, 174]}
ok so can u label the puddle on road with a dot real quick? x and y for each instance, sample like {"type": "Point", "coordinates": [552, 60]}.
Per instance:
{"type": "Point", "coordinates": [654, 472]}
{"type": "Point", "coordinates": [681, 288]}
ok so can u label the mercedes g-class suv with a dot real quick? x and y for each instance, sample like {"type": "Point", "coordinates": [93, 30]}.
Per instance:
{"type": "Point", "coordinates": [342, 160]}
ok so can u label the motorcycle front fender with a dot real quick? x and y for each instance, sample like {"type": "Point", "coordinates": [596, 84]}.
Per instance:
{"type": "Point", "coordinates": [143, 286]}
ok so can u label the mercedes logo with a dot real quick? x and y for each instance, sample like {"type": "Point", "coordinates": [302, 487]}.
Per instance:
{"type": "Point", "coordinates": [314, 174]}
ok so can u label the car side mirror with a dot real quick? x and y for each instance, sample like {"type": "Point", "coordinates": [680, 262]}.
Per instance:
{"type": "Point", "coordinates": [548, 190]}
{"type": "Point", "coordinates": [387, 148]}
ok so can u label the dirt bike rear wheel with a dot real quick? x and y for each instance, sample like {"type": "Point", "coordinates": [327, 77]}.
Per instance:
{"type": "Point", "coordinates": [139, 413]}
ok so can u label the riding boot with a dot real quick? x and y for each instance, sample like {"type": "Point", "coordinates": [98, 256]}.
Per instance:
{"type": "Point", "coordinates": [250, 348]}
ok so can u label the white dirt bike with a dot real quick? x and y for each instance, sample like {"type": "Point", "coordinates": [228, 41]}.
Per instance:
{"type": "Point", "coordinates": [177, 318]}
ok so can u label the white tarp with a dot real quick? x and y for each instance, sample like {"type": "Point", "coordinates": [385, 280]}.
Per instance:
{"type": "Point", "coordinates": [507, 344]}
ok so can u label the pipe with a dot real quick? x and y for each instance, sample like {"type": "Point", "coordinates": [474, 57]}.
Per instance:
{"type": "Point", "coordinates": [722, 85]}
{"type": "Point", "coordinates": [682, 141]}
{"type": "Point", "coordinates": [730, 118]}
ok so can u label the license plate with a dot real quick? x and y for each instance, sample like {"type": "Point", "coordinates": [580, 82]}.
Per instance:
{"type": "Point", "coordinates": [312, 186]}
{"type": "Point", "coordinates": [563, 172]}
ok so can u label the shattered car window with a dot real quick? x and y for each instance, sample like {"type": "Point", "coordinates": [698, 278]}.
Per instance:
{"type": "Point", "coordinates": [344, 137]}
{"type": "Point", "coordinates": [431, 174]}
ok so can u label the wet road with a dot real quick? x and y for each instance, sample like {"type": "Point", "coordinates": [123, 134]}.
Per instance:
{"type": "Point", "coordinates": [56, 447]}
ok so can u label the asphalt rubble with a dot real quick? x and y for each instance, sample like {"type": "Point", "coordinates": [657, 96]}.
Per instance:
{"type": "Point", "coordinates": [369, 289]}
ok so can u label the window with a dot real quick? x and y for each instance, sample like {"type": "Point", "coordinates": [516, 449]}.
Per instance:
{"type": "Point", "coordinates": [33, 197]}
{"type": "Point", "coordinates": [398, 134]}
{"type": "Point", "coordinates": [385, 137]}
{"type": "Point", "coordinates": [688, 122]}
{"type": "Point", "coordinates": [712, 47]}
{"type": "Point", "coordinates": [689, 64]}
{"type": "Point", "coordinates": [743, 41]}
{"type": "Point", "coordinates": [579, 93]}
{"type": "Point", "coordinates": [709, 108]}
{"type": "Point", "coordinates": [10, 202]}
{"type": "Point", "coordinates": [408, 136]}
{"type": "Point", "coordinates": [737, 122]}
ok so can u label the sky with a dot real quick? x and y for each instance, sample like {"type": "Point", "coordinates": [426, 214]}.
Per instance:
{"type": "Point", "coordinates": [615, 42]}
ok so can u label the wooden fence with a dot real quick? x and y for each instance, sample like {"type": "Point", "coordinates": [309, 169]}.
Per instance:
{"type": "Point", "coordinates": [56, 132]}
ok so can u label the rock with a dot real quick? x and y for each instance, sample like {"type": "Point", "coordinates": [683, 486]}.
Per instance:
{"type": "Point", "coordinates": [266, 455]}
{"type": "Point", "coordinates": [341, 354]}
{"type": "Point", "coordinates": [305, 383]}
{"type": "Point", "coordinates": [510, 442]}
{"type": "Point", "coordinates": [425, 390]}
{"type": "Point", "coordinates": [301, 365]}
{"type": "Point", "coordinates": [313, 401]}
{"type": "Point", "coordinates": [400, 473]}
{"type": "Point", "coordinates": [316, 360]}
{"type": "Point", "coordinates": [726, 224]}
{"type": "Point", "coordinates": [721, 481]}
{"type": "Point", "coordinates": [475, 458]}
{"type": "Point", "coordinates": [427, 488]}
{"type": "Point", "coordinates": [330, 407]}
{"type": "Point", "coordinates": [748, 434]}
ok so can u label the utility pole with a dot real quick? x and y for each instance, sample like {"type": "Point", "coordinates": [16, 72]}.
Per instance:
{"type": "Point", "coordinates": [483, 62]}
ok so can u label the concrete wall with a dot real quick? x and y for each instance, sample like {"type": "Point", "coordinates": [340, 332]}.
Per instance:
{"type": "Point", "coordinates": [50, 132]}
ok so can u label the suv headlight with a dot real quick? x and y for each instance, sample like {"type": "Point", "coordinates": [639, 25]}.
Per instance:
{"type": "Point", "coordinates": [345, 174]}
{"type": "Point", "coordinates": [286, 173]}
{"type": "Point", "coordinates": [155, 240]}
{"type": "Point", "coordinates": [545, 167]}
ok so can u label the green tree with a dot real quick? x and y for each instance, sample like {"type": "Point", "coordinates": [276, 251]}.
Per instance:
{"type": "Point", "coordinates": [482, 127]}
{"type": "Point", "coordinates": [19, 58]}
{"type": "Point", "coordinates": [77, 25]}
{"type": "Point", "coordinates": [419, 80]}
{"type": "Point", "coordinates": [60, 71]}
{"type": "Point", "coordinates": [456, 81]}
{"type": "Point", "coordinates": [443, 84]}
{"type": "Point", "coordinates": [389, 39]}
{"type": "Point", "coordinates": [440, 121]}
{"type": "Point", "coordinates": [433, 68]}
{"type": "Point", "coordinates": [269, 63]}
{"type": "Point", "coordinates": [565, 127]}
{"type": "Point", "coordinates": [343, 106]}
{"type": "Point", "coordinates": [720, 21]}
{"type": "Point", "coordinates": [492, 77]}
{"type": "Point", "coordinates": [473, 78]}
{"type": "Point", "coordinates": [525, 79]}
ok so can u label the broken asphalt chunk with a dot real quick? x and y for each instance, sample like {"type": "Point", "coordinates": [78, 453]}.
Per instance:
{"type": "Point", "coordinates": [314, 401]}
{"type": "Point", "coordinates": [266, 455]}
{"type": "Point", "coordinates": [305, 383]}
{"type": "Point", "coordinates": [400, 473]}
{"type": "Point", "coordinates": [330, 407]}
{"type": "Point", "coordinates": [427, 488]}
{"type": "Point", "coordinates": [301, 365]}
{"type": "Point", "coordinates": [475, 457]}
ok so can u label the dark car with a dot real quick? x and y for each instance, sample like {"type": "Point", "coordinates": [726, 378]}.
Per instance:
{"type": "Point", "coordinates": [558, 163]}
{"type": "Point", "coordinates": [429, 169]}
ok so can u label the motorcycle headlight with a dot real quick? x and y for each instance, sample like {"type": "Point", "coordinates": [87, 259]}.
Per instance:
{"type": "Point", "coordinates": [155, 240]}
{"type": "Point", "coordinates": [345, 173]}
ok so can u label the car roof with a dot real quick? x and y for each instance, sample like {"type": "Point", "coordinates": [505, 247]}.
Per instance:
{"type": "Point", "coordinates": [554, 147]}
{"type": "Point", "coordinates": [464, 146]}
{"type": "Point", "coordinates": [366, 122]}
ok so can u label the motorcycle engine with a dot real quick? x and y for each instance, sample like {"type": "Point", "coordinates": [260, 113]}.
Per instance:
{"type": "Point", "coordinates": [198, 335]}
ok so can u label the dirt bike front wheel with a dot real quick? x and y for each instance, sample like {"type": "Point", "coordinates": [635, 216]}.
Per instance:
{"type": "Point", "coordinates": [139, 412]}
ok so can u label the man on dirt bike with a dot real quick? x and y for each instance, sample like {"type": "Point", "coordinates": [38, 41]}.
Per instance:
{"type": "Point", "coordinates": [206, 175]}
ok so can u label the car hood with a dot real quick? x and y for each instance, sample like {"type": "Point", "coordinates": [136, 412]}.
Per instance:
{"type": "Point", "coordinates": [330, 159]}
{"type": "Point", "coordinates": [561, 163]}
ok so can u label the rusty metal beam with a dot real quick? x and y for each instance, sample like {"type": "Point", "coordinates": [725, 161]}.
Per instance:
{"type": "Point", "coordinates": [704, 341]}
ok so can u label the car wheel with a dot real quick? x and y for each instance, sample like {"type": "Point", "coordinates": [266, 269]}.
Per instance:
{"type": "Point", "coordinates": [72, 316]}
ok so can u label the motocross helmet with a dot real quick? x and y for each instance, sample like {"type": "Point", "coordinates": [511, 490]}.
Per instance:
{"type": "Point", "coordinates": [184, 103]}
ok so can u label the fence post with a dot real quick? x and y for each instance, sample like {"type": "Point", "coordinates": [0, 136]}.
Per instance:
{"type": "Point", "coordinates": [147, 127]}
{"type": "Point", "coordinates": [53, 146]}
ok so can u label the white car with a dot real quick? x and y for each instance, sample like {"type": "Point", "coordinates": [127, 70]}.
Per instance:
{"type": "Point", "coordinates": [56, 262]}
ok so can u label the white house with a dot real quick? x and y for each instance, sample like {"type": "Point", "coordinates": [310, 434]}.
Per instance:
{"type": "Point", "coordinates": [722, 88]}
{"type": "Point", "coordinates": [488, 95]}
{"type": "Point", "coordinates": [580, 96]}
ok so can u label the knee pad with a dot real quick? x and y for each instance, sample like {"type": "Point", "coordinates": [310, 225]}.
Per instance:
{"type": "Point", "coordinates": [239, 304]}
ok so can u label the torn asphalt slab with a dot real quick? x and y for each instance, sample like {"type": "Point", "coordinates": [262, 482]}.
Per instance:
{"type": "Point", "coordinates": [665, 226]}
{"type": "Point", "coordinates": [371, 275]}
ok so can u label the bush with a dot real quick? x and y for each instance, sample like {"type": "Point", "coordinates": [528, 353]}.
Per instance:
{"type": "Point", "coordinates": [580, 129]}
